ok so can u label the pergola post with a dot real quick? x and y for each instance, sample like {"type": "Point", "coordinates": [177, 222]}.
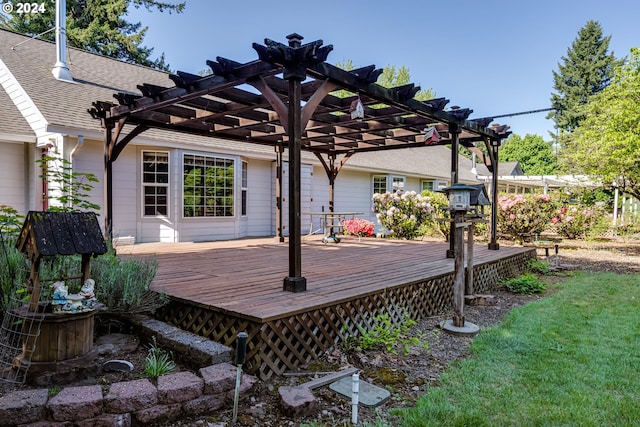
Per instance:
{"type": "Point", "coordinates": [493, 243]}
{"type": "Point", "coordinates": [454, 130]}
{"type": "Point", "coordinates": [108, 179]}
{"type": "Point", "coordinates": [279, 230]}
{"type": "Point", "coordinates": [295, 73]}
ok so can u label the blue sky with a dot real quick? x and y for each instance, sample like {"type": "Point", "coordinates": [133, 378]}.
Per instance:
{"type": "Point", "coordinates": [493, 56]}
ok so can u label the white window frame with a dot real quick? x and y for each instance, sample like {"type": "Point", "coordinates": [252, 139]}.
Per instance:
{"type": "Point", "coordinates": [386, 183]}
{"type": "Point", "coordinates": [244, 188]}
{"type": "Point", "coordinates": [154, 184]}
{"type": "Point", "coordinates": [432, 182]}
{"type": "Point", "coordinates": [398, 179]}
{"type": "Point", "coordinates": [214, 158]}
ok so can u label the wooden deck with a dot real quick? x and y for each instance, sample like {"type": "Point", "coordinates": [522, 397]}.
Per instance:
{"type": "Point", "coordinates": [222, 288]}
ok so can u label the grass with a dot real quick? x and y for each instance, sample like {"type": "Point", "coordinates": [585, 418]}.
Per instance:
{"type": "Point", "coordinates": [572, 359]}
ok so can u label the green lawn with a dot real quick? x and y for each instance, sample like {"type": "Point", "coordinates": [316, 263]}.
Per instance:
{"type": "Point", "coordinates": [571, 359]}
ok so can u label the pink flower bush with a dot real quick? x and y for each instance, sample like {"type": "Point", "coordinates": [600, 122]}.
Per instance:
{"type": "Point", "coordinates": [402, 213]}
{"type": "Point", "coordinates": [520, 216]}
{"type": "Point", "coordinates": [577, 221]}
{"type": "Point", "coordinates": [358, 227]}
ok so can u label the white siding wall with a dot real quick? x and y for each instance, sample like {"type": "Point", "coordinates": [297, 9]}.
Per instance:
{"type": "Point", "coordinates": [84, 161]}
{"type": "Point", "coordinates": [306, 178]}
{"type": "Point", "coordinates": [413, 184]}
{"type": "Point", "coordinates": [353, 191]}
{"type": "Point", "coordinates": [126, 200]}
{"type": "Point", "coordinates": [260, 201]}
{"type": "Point", "coordinates": [13, 176]}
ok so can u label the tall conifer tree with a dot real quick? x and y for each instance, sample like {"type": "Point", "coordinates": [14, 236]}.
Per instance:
{"type": "Point", "coordinates": [586, 70]}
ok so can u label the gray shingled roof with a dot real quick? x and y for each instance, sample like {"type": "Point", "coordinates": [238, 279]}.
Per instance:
{"type": "Point", "coordinates": [434, 162]}
{"type": "Point", "coordinates": [98, 78]}
{"type": "Point", "coordinates": [504, 169]}
{"type": "Point", "coordinates": [11, 121]}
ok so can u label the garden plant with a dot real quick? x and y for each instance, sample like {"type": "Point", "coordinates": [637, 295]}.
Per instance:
{"type": "Point", "coordinates": [402, 213]}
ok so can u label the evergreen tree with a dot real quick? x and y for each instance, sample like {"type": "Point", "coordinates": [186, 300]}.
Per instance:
{"type": "Point", "coordinates": [535, 155]}
{"type": "Point", "coordinates": [586, 70]}
{"type": "Point", "coordinates": [98, 26]}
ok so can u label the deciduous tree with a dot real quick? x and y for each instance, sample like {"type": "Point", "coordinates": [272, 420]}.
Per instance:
{"type": "Point", "coordinates": [607, 142]}
{"type": "Point", "coordinates": [535, 155]}
{"type": "Point", "coordinates": [391, 76]}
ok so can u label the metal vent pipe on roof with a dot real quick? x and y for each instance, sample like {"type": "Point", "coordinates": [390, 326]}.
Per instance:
{"type": "Point", "coordinates": [60, 70]}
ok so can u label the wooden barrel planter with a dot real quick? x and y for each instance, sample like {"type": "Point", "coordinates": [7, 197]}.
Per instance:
{"type": "Point", "coordinates": [65, 342]}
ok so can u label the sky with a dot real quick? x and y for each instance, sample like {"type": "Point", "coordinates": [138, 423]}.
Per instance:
{"type": "Point", "coordinates": [493, 56]}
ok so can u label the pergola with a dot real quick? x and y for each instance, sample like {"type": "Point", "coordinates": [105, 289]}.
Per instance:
{"type": "Point", "coordinates": [284, 99]}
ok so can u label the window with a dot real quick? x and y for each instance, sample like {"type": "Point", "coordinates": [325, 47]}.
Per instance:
{"type": "Point", "coordinates": [442, 184]}
{"type": "Point", "coordinates": [155, 182]}
{"type": "Point", "coordinates": [398, 183]}
{"type": "Point", "coordinates": [245, 170]}
{"type": "Point", "coordinates": [427, 185]}
{"type": "Point", "coordinates": [379, 184]}
{"type": "Point", "coordinates": [207, 186]}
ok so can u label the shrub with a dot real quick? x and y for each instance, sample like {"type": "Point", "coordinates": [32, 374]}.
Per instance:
{"type": "Point", "coordinates": [13, 267]}
{"type": "Point", "coordinates": [433, 227]}
{"type": "Point", "coordinates": [528, 283]}
{"type": "Point", "coordinates": [578, 221]}
{"type": "Point", "coordinates": [358, 227]}
{"type": "Point", "coordinates": [124, 286]}
{"type": "Point", "coordinates": [521, 216]}
{"type": "Point", "coordinates": [537, 266]}
{"type": "Point", "coordinates": [387, 336]}
{"type": "Point", "coordinates": [402, 213]}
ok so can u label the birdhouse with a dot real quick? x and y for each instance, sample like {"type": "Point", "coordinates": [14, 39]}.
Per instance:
{"type": "Point", "coordinates": [357, 109]}
{"type": "Point", "coordinates": [479, 199]}
{"type": "Point", "coordinates": [459, 197]}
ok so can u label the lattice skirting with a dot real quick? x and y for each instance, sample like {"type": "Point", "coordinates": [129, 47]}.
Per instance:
{"type": "Point", "coordinates": [276, 346]}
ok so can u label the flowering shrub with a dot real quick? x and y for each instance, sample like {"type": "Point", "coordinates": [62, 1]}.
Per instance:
{"type": "Point", "coordinates": [402, 213]}
{"type": "Point", "coordinates": [358, 227]}
{"type": "Point", "coordinates": [578, 221]}
{"type": "Point", "coordinates": [520, 215]}
{"type": "Point", "coordinates": [440, 204]}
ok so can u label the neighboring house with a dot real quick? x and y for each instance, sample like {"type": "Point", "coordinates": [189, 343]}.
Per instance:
{"type": "Point", "coordinates": [511, 179]}
{"type": "Point", "coordinates": [153, 175]}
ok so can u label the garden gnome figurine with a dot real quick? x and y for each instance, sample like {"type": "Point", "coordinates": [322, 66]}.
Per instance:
{"type": "Point", "coordinates": [60, 293]}
{"type": "Point", "coordinates": [87, 292]}
{"type": "Point", "coordinates": [87, 289]}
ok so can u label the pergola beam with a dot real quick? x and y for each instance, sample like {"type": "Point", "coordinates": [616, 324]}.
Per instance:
{"type": "Point", "coordinates": [296, 108]}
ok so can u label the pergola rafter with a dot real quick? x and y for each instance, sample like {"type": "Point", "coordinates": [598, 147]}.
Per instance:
{"type": "Point", "coordinates": [286, 99]}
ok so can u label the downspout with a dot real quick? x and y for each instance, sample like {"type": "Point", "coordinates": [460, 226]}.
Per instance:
{"type": "Point", "coordinates": [77, 146]}
{"type": "Point", "coordinates": [71, 156]}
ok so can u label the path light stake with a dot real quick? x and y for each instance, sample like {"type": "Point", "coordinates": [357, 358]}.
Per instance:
{"type": "Point", "coordinates": [241, 352]}
{"type": "Point", "coordinates": [355, 396]}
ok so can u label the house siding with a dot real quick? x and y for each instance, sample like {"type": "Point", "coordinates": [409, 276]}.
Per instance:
{"type": "Point", "coordinates": [306, 197]}
{"type": "Point", "coordinates": [13, 174]}
{"type": "Point", "coordinates": [259, 218]}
